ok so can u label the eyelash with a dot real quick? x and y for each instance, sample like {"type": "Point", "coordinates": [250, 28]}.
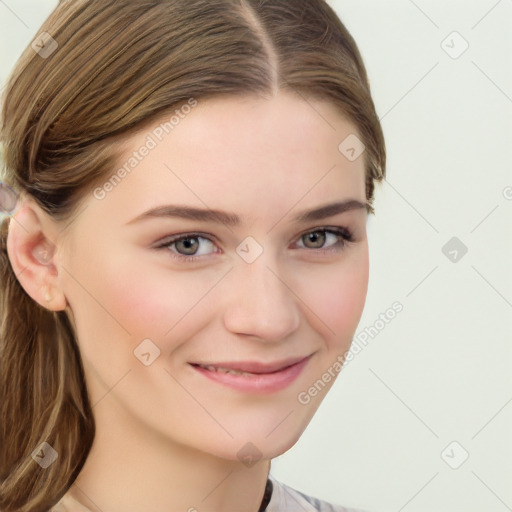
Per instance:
{"type": "Point", "coordinates": [345, 235]}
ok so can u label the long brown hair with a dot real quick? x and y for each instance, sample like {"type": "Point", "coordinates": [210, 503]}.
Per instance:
{"type": "Point", "coordinates": [114, 66]}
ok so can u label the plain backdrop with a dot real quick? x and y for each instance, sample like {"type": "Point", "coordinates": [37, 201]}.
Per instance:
{"type": "Point", "coordinates": [421, 418]}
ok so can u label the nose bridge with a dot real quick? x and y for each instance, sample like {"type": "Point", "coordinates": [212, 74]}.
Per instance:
{"type": "Point", "coordinates": [261, 304]}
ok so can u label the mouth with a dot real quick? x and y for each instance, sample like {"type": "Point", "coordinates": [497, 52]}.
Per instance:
{"type": "Point", "coordinates": [253, 376]}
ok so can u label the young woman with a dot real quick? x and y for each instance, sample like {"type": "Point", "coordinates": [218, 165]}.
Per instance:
{"type": "Point", "coordinates": [187, 262]}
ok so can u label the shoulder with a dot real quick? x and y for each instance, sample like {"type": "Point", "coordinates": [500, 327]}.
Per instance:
{"type": "Point", "coordinates": [287, 499]}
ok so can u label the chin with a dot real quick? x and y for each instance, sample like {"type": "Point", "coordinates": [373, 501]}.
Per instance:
{"type": "Point", "coordinates": [258, 446]}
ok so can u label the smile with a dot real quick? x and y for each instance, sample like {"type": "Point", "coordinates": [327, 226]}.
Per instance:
{"type": "Point", "coordinates": [254, 377]}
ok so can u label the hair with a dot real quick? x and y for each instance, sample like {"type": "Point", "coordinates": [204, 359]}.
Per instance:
{"type": "Point", "coordinates": [120, 65]}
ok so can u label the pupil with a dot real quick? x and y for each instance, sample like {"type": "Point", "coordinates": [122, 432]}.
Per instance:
{"type": "Point", "coordinates": [188, 244]}
{"type": "Point", "coordinates": [315, 238]}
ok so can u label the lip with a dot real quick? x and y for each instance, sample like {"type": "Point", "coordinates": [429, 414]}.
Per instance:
{"type": "Point", "coordinates": [266, 378]}
{"type": "Point", "coordinates": [255, 366]}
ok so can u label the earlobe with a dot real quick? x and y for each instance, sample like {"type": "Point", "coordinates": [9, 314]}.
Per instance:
{"type": "Point", "coordinates": [32, 254]}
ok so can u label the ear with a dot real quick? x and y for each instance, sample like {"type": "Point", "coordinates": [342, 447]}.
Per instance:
{"type": "Point", "coordinates": [32, 250]}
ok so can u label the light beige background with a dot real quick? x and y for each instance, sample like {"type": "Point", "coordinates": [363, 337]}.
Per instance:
{"type": "Point", "coordinates": [439, 372]}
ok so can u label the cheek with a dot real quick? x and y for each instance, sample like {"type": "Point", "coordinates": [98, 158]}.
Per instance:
{"type": "Point", "coordinates": [338, 299]}
{"type": "Point", "coordinates": [115, 296]}
{"type": "Point", "coordinates": [155, 302]}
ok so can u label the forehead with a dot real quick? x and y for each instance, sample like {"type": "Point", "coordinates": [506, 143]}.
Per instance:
{"type": "Point", "coordinates": [249, 154]}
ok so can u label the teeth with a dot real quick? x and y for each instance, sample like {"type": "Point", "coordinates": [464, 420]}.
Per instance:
{"type": "Point", "coordinates": [225, 370]}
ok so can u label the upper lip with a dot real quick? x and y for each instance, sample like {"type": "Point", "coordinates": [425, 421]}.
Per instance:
{"type": "Point", "coordinates": [255, 366]}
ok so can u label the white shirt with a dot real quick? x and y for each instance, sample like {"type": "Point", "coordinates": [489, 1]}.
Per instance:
{"type": "Point", "coordinates": [283, 499]}
{"type": "Point", "coordinates": [286, 499]}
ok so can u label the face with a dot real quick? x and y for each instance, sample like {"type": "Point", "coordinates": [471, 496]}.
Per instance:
{"type": "Point", "coordinates": [153, 295]}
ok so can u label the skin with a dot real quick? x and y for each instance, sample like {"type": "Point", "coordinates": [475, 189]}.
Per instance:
{"type": "Point", "coordinates": [167, 437]}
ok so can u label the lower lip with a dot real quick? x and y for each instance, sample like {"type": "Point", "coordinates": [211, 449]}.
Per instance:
{"type": "Point", "coordinates": [259, 383]}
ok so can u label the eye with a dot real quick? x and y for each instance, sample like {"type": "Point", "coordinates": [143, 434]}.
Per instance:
{"type": "Point", "coordinates": [188, 247]}
{"type": "Point", "coordinates": [317, 238]}
{"type": "Point", "coordinates": [193, 246]}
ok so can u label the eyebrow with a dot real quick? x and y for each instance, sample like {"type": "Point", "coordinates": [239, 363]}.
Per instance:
{"type": "Point", "coordinates": [231, 219]}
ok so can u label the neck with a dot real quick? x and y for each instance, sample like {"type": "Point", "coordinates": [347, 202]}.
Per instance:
{"type": "Point", "coordinates": [129, 471]}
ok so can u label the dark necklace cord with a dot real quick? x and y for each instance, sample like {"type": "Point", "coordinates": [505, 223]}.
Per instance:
{"type": "Point", "coordinates": [266, 496]}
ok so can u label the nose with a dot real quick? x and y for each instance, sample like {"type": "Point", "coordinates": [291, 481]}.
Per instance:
{"type": "Point", "coordinates": [261, 304]}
